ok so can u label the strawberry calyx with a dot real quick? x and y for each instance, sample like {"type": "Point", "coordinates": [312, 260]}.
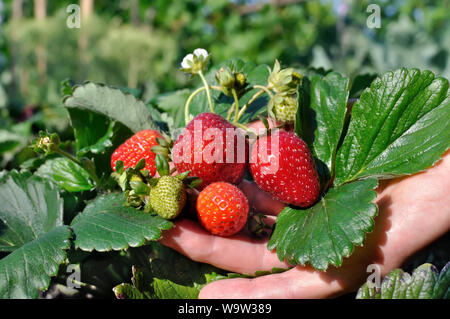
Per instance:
{"type": "Point", "coordinates": [256, 225]}
{"type": "Point", "coordinates": [134, 182]}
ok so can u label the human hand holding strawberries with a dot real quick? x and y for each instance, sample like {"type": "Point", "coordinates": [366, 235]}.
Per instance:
{"type": "Point", "coordinates": [336, 222]}
{"type": "Point", "coordinates": [394, 239]}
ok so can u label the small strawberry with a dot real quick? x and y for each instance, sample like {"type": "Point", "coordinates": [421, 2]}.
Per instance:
{"type": "Point", "coordinates": [135, 148]}
{"type": "Point", "coordinates": [286, 169]}
{"type": "Point", "coordinates": [209, 147]}
{"type": "Point", "coordinates": [283, 107]}
{"type": "Point", "coordinates": [168, 193]}
{"type": "Point", "coordinates": [168, 196]}
{"type": "Point", "coordinates": [222, 209]}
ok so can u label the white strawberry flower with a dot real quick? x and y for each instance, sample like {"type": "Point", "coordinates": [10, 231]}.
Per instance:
{"type": "Point", "coordinates": [195, 62]}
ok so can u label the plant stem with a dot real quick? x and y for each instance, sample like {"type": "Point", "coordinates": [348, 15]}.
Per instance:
{"type": "Point", "coordinates": [265, 88]}
{"type": "Point", "coordinates": [191, 97]}
{"type": "Point", "coordinates": [217, 88]}
{"type": "Point", "coordinates": [208, 94]}
{"type": "Point", "coordinates": [236, 105]}
{"type": "Point", "coordinates": [254, 97]}
{"type": "Point", "coordinates": [188, 102]}
{"type": "Point", "coordinates": [230, 111]}
{"type": "Point", "coordinates": [69, 156]}
{"type": "Point", "coordinates": [245, 128]}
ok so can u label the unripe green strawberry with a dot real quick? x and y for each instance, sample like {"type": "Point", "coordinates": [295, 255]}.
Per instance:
{"type": "Point", "coordinates": [284, 107]}
{"type": "Point", "coordinates": [168, 196]}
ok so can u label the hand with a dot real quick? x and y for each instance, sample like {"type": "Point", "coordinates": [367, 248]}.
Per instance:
{"type": "Point", "coordinates": [413, 212]}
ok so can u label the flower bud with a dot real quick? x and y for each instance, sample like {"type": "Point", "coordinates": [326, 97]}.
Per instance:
{"type": "Point", "coordinates": [225, 78]}
{"type": "Point", "coordinates": [46, 143]}
{"type": "Point", "coordinates": [241, 81]}
{"type": "Point", "coordinates": [230, 79]}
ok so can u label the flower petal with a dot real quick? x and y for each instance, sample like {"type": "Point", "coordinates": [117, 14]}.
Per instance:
{"type": "Point", "coordinates": [187, 61]}
{"type": "Point", "coordinates": [201, 53]}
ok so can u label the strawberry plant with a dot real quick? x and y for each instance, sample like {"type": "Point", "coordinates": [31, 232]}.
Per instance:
{"type": "Point", "coordinates": [103, 200]}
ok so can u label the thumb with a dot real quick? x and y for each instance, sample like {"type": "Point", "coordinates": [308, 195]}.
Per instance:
{"type": "Point", "coordinates": [299, 282]}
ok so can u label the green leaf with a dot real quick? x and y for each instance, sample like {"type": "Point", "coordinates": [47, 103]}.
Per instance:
{"type": "Point", "coordinates": [88, 127]}
{"type": "Point", "coordinates": [140, 288]}
{"type": "Point", "coordinates": [66, 174]}
{"type": "Point", "coordinates": [361, 82]}
{"type": "Point", "coordinates": [106, 224]}
{"type": "Point", "coordinates": [102, 143]}
{"type": "Point", "coordinates": [93, 132]}
{"type": "Point", "coordinates": [173, 104]}
{"type": "Point", "coordinates": [127, 291]}
{"type": "Point", "coordinates": [327, 232]}
{"type": "Point", "coordinates": [112, 103]}
{"type": "Point", "coordinates": [30, 207]}
{"type": "Point", "coordinates": [169, 275]}
{"type": "Point", "coordinates": [28, 270]}
{"type": "Point", "coordinates": [424, 283]}
{"type": "Point", "coordinates": [9, 140]}
{"type": "Point", "coordinates": [423, 280]}
{"type": "Point", "coordinates": [97, 137]}
{"type": "Point", "coordinates": [400, 125]}
{"type": "Point", "coordinates": [442, 288]}
{"type": "Point", "coordinates": [322, 119]}
{"type": "Point", "coordinates": [162, 165]}
{"type": "Point", "coordinates": [176, 276]}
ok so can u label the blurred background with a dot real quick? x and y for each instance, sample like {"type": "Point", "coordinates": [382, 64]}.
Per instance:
{"type": "Point", "coordinates": [139, 44]}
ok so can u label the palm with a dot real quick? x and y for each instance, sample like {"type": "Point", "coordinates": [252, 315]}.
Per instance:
{"type": "Point", "coordinates": [413, 211]}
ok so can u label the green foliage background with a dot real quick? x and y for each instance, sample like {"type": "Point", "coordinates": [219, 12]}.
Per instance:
{"type": "Point", "coordinates": [142, 49]}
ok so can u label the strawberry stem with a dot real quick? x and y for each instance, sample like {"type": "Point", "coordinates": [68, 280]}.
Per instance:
{"type": "Point", "coordinates": [236, 105]}
{"type": "Point", "coordinates": [69, 156]}
{"type": "Point", "coordinates": [245, 128]}
{"type": "Point", "coordinates": [208, 94]}
{"type": "Point", "coordinates": [191, 97]}
{"type": "Point", "coordinates": [263, 89]}
{"type": "Point", "coordinates": [188, 102]}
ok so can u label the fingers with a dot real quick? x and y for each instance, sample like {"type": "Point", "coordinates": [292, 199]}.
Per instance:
{"type": "Point", "coordinates": [418, 211]}
{"type": "Point", "coordinates": [238, 253]}
{"type": "Point", "coordinates": [259, 200]}
{"type": "Point", "coordinates": [299, 282]}
{"type": "Point", "coordinates": [256, 125]}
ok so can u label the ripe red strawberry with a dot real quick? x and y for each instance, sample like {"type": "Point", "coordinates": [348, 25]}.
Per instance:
{"type": "Point", "coordinates": [212, 149]}
{"type": "Point", "coordinates": [135, 148]}
{"type": "Point", "coordinates": [287, 172]}
{"type": "Point", "coordinates": [222, 209]}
